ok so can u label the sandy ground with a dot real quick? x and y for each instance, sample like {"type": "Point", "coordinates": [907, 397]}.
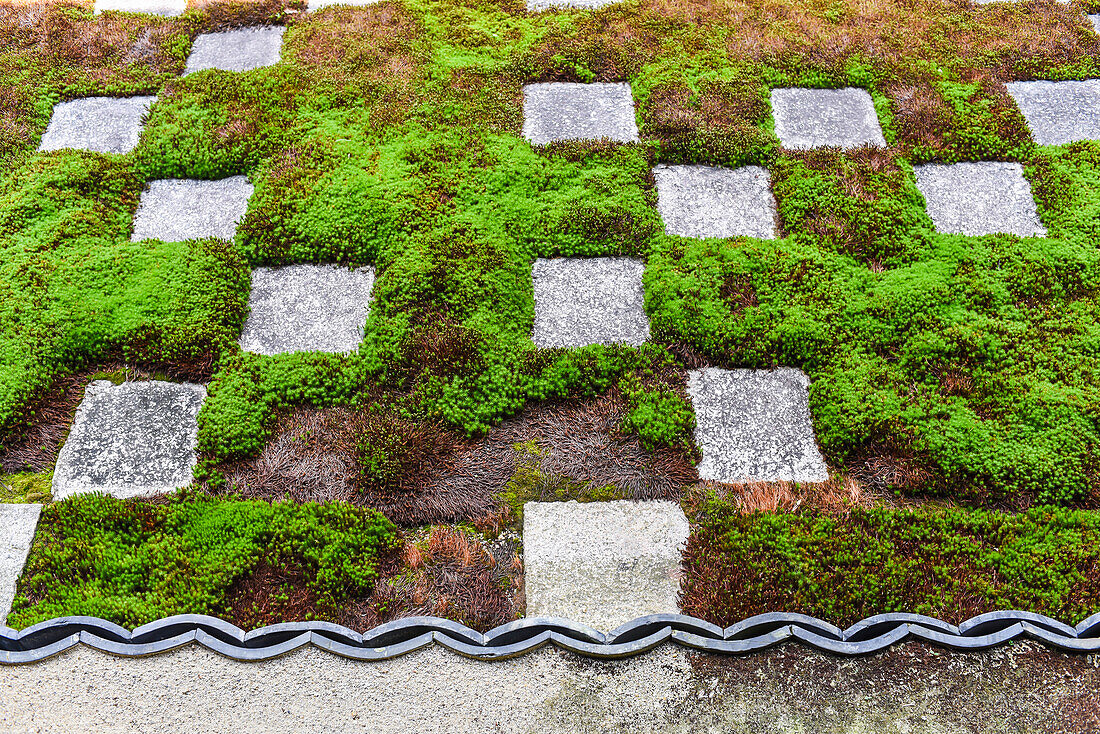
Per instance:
{"type": "Point", "coordinates": [910, 688]}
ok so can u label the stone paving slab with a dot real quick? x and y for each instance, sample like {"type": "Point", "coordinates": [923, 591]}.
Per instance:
{"type": "Point", "coordinates": [704, 201]}
{"type": "Point", "coordinates": [153, 7]}
{"type": "Point", "coordinates": [979, 198]}
{"type": "Point", "coordinates": [569, 111]}
{"type": "Point", "coordinates": [307, 308]}
{"type": "Point", "coordinates": [594, 300]}
{"type": "Point", "coordinates": [1059, 112]}
{"type": "Point", "coordinates": [17, 524]}
{"type": "Point", "coordinates": [602, 563]}
{"type": "Point", "coordinates": [755, 425]}
{"type": "Point", "coordinates": [239, 50]}
{"type": "Point", "coordinates": [536, 6]}
{"type": "Point", "coordinates": [819, 118]}
{"type": "Point", "coordinates": [1095, 20]}
{"type": "Point", "coordinates": [178, 209]}
{"type": "Point", "coordinates": [132, 439]}
{"type": "Point", "coordinates": [99, 124]}
{"type": "Point", "coordinates": [318, 4]}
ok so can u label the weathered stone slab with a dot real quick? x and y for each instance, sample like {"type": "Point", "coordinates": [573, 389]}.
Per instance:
{"type": "Point", "coordinates": [595, 300]}
{"type": "Point", "coordinates": [1059, 112]}
{"type": "Point", "coordinates": [17, 524]}
{"type": "Point", "coordinates": [755, 425]}
{"type": "Point", "coordinates": [1095, 20]}
{"type": "Point", "coordinates": [100, 124]}
{"type": "Point", "coordinates": [132, 439]}
{"type": "Point", "coordinates": [174, 210]}
{"type": "Point", "coordinates": [979, 198]}
{"type": "Point", "coordinates": [318, 4]}
{"type": "Point", "coordinates": [819, 118]}
{"type": "Point", "coordinates": [536, 6]}
{"type": "Point", "coordinates": [307, 308]}
{"type": "Point", "coordinates": [602, 563]}
{"type": "Point", "coordinates": [153, 7]}
{"type": "Point", "coordinates": [240, 50]}
{"type": "Point", "coordinates": [568, 111]}
{"type": "Point", "coordinates": [703, 201]}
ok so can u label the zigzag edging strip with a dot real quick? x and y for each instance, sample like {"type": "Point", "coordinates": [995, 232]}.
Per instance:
{"type": "Point", "coordinates": [525, 635]}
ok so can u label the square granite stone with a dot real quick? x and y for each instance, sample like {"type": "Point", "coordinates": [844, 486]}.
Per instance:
{"type": "Point", "coordinates": [1059, 112]}
{"type": "Point", "coordinates": [100, 124]}
{"type": "Point", "coordinates": [702, 201]}
{"type": "Point", "coordinates": [755, 426]}
{"type": "Point", "coordinates": [536, 6]}
{"type": "Point", "coordinates": [602, 563]}
{"type": "Point", "coordinates": [132, 439]}
{"type": "Point", "coordinates": [174, 210]}
{"type": "Point", "coordinates": [1095, 20]}
{"type": "Point", "coordinates": [594, 300]}
{"type": "Point", "coordinates": [569, 111]}
{"type": "Point", "coordinates": [979, 198]}
{"type": "Point", "coordinates": [240, 50]}
{"type": "Point", "coordinates": [819, 118]}
{"type": "Point", "coordinates": [17, 524]}
{"type": "Point", "coordinates": [307, 308]}
{"type": "Point", "coordinates": [318, 4]}
{"type": "Point", "coordinates": [153, 7]}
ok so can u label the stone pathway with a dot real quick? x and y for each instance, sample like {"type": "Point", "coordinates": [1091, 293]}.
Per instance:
{"type": "Point", "coordinates": [240, 50]}
{"type": "Point", "coordinates": [307, 308]}
{"type": "Point", "coordinates": [703, 201]}
{"type": "Point", "coordinates": [132, 439]}
{"type": "Point", "coordinates": [536, 6]}
{"type": "Point", "coordinates": [594, 300]}
{"type": "Point", "coordinates": [979, 198]}
{"type": "Point", "coordinates": [568, 111]}
{"type": "Point", "coordinates": [1059, 112]}
{"type": "Point", "coordinates": [175, 210]}
{"type": "Point", "coordinates": [819, 118]}
{"type": "Point", "coordinates": [602, 563]}
{"type": "Point", "coordinates": [99, 124]}
{"type": "Point", "coordinates": [17, 524]}
{"type": "Point", "coordinates": [318, 4]}
{"type": "Point", "coordinates": [153, 7]}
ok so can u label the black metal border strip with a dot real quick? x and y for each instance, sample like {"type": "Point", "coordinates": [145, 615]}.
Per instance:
{"type": "Point", "coordinates": [403, 636]}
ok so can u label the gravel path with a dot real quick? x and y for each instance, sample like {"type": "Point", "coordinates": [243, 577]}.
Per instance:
{"type": "Point", "coordinates": [910, 688]}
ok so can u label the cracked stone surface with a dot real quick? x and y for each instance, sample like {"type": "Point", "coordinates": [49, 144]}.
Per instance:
{"type": "Point", "coordinates": [1059, 112]}
{"type": "Point", "coordinates": [602, 563]}
{"type": "Point", "coordinates": [819, 118]}
{"type": "Point", "coordinates": [535, 6]}
{"type": "Point", "coordinates": [755, 425]}
{"type": "Point", "coordinates": [704, 201]}
{"type": "Point", "coordinates": [132, 439]}
{"type": "Point", "coordinates": [570, 111]}
{"type": "Point", "coordinates": [178, 209]}
{"type": "Point", "coordinates": [17, 524]}
{"type": "Point", "coordinates": [979, 198]}
{"type": "Point", "coordinates": [595, 300]}
{"type": "Point", "coordinates": [307, 308]}
{"type": "Point", "coordinates": [239, 50]}
{"type": "Point", "coordinates": [100, 124]}
{"type": "Point", "coordinates": [153, 7]}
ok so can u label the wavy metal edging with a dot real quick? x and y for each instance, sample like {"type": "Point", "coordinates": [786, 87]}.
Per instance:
{"type": "Point", "coordinates": [403, 636]}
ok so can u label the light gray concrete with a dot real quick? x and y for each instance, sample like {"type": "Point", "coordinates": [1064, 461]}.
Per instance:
{"type": "Point", "coordinates": [178, 209]}
{"type": "Point", "coordinates": [979, 198]}
{"type": "Point", "coordinates": [1059, 112]}
{"type": "Point", "coordinates": [17, 524]}
{"type": "Point", "coordinates": [568, 111]}
{"type": "Point", "coordinates": [153, 7]}
{"type": "Point", "coordinates": [240, 50]}
{"type": "Point", "coordinates": [755, 425]}
{"type": "Point", "coordinates": [100, 124]}
{"type": "Point", "coordinates": [536, 6]}
{"type": "Point", "coordinates": [1095, 20]}
{"type": "Point", "coordinates": [132, 439]}
{"type": "Point", "coordinates": [307, 308]}
{"type": "Point", "coordinates": [591, 300]}
{"type": "Point", "coordinates": [318, 4]}
{"type": "Point", "coordinates": [819, 118]}
{"type": "Point", "coordinates": [703, 201]}
{"type": "Point", "coordinates": [602, 563]}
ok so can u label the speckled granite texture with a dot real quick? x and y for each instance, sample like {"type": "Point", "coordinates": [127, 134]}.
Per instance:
{"type": "Point", "coordinates": [1059, 112]}
{"type": "Point", "coordinates": [819, 118]}
{"type": "Point", "coordinates": [569, 111]}
{"type": "Point", "coordinates": [174, 210]}
{"type": "Point", "coordinates": [318, 4]}
{"type": "Point", "coordinates": [534, 6]}
{"type": "Point", "coordinates": [100, 124]}
{"type": "Point", "coordinates": [154, 7]}
{"type": "Point", "coordinates": [979, 198]}
{"type": "Point", "coordinates": [17, 524]}
{"type": "Point", "coordinates": [582, 301]}
{"type": "Point", "coordinates": [704, 201]}
{"type": "Point", "coordinates": [239, 50]}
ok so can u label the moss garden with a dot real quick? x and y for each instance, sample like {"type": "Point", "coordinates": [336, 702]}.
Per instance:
{"type": "Point", "coordinates": [955, 380]}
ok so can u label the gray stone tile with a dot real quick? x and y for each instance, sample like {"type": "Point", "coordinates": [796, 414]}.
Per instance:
{"type": "Point", "coordinates": [595, 300]}
{"type": "Point", "coordinates": [1095, 20]}
{"type": "Point", "coordinates": [307, 308]}
{"type": "Point", "coordinates": [536, 6]}
{"type": "Point", "coordinates": [174, 210]}
{"type": "Point", "coordinates": [755, 425]}
{"type": "Point", "coordinates": [17, 524]}
{"type": "Point", "coordinates": [602, 563]}
{"type": "Point", "coordinates": [979, 198]}
{"type": "Point", "coordinates": [702, 201]}
{"type": "Point", "coordinates": [318, 4]}
{"type": "Point", "coordinates": [132, 439]}
{"type": "Point", "coordinates": [568, 111]}
{"type": "Point", "coordinates": [1059, 112]}
{"type": "Point", "coordinates": [153, 7]}
{"type": "Point", "coordinates": [239, 50]}
{"type": "Point", "coordinates": [100, 124]}
{"type": "Point", "coordinates": [819, 118]}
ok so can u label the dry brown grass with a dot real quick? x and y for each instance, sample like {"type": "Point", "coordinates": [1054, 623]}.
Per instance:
{"type": "Point", "coordinates": [835, 495]}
